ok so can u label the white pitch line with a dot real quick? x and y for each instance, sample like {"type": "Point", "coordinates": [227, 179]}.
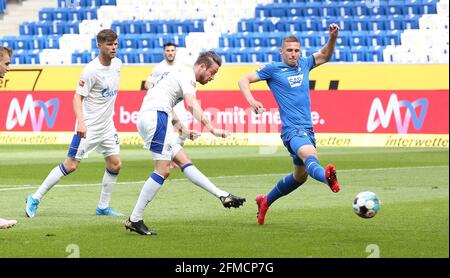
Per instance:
{"type": "Point", "coordinates": [29, 186]}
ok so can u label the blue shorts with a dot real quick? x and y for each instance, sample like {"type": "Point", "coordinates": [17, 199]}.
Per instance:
{"type": "Point", "coordinates": [296, 139]}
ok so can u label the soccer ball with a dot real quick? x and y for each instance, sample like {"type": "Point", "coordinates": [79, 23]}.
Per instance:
{"type": "Point", "coordinates": [366, 204]}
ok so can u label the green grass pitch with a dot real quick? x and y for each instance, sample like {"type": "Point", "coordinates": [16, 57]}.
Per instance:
{"type": "Point", "coordinates": [413, 185]}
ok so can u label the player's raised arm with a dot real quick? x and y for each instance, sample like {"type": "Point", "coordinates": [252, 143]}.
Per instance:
{"type": "Point", "coordinates": [325, 53]}
{"type": "Point", "coordinates": [197, 111]}
{"type": "Point", "coordinates": [244, 86]}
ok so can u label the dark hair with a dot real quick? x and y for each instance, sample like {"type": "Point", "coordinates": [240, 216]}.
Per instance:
{"type": "Point", "coordinates": [208, 58]}
{"type": "Point", "coordinates": [169, 44]}
{"type": "Point", "coordinates": [290, 38]}
{"type": "Point", "coordinates": [4, 50]}
{"type": "Point", "coordinates": [106, 35]}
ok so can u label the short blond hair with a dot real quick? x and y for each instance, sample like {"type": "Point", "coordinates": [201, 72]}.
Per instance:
{"type": "Point", "coordinates": [290, 38]}
{"type": "Point", "coordinates": [4, 50]}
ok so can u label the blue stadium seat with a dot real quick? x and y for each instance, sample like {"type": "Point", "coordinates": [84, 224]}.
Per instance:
{"type": "Point", "coordinates": [358, 39]}
{"type": "Point", "coordinates": [46, 14]}
{"type": "Point", "coordinates": [309, 39]}
{"type": "Point", "coordinates": [51, 41]}
{"type": "Point", "coordinates": [128, 41]}
{"type": "Point", "coordinates": [294, 10]}
{"type": "Point", "coordinates": [18, 57]}
{"type": "Point", "coordinates": [376, 23]}
{"type": "Point", "coordinates": [246, 25]}
{"type": "Point", "coordinates": [196, 25]}
{"type": "Point", "coordinates": [312, 9]}
{"type": "Point", "coordinates": [132, 26]}
{"type": "Point", "coordinates": [23, 42]}
{"type": "Point", "coordinates": [373, 54]}
{"type": "Point", "coordinates": [392, 37]}
{"type": "Point", "coordinates": [360, 23]}
{"type": "Point", "coordinates": [37, 42]}
{"type": "Point", "coordinates": [42, 28]}
{"type": "Point", "coordinates": [239, 55]}
{"type": "Point", "coordinates": [128, 55]}
{"type": "Point", "coordinates": [357, 54]}
{"type": "Point", "coordinates": [341, 54]}
{"type": "Point", "coordinates": [309, 25]}
{"type": "Point", "coordinates": [277, 10]}
{"type": "Point", "coordinates": [376, 38]}
{"type": "Point", "coordinates": [429, 7]}
{"type": "Point", "coordinates": [145, 41]}
{"type": "Point", "coordinates": [62, 14]}
{"type": "Point", "coordinates": [380, 10]}
{"type": "Point", "coordinates": [32, 57]}
{"type": "Point", "coordinates": [26, 28]}
{"type": "Point", "coordinates": [330, 9]}
{"type": "Point", "coordinates": [256, 40]}
{"type": "Point", "coordinates": [411, 22]}
{"type": "Point", "coordinates": [261, 11]}
{"type": "Point", "coordinates": [275, 39]}
{"type": "Point", "coordinates": [225, 40]}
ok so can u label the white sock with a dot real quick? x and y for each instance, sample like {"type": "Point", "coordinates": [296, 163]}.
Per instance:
{"type": "Point", "coordinates": [194, 175]}
{"type": "Point", "coordinates": [148, 192]}
{"type": "Point", "coordinates": [108, 185]}
{"type": "Point", "coordinates": [53, 178]}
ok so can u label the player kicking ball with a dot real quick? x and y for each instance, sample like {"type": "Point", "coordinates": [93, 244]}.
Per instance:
{"type": "Point", "coordinates": [155, 125]}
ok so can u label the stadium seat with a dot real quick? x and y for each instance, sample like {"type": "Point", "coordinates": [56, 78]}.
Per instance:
{"type": "Point", "coordinates": [373, 54]}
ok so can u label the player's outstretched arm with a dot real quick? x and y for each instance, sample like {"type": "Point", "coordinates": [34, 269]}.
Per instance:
{"type": "Point", "coordinates": [325, 53]}
{"type": "Point", "coordinates": [182, 129]}
{"type": "Point", "coordinates": [78, 108]}
{"type": "Point", "coordinates": [197, 111]}
{"type": "Point", "coordinates": [244, 86]}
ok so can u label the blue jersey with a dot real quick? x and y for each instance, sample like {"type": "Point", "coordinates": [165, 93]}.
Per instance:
{"type": "Point", "coordinates": [290, 87]}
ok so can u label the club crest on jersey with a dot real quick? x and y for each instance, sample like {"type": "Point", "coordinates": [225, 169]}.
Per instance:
{"type": "Point", "coordinates": [296, 80]}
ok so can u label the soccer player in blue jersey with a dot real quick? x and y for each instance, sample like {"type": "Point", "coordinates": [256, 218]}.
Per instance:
{"type": "Point", "coordinates": [289, 83]}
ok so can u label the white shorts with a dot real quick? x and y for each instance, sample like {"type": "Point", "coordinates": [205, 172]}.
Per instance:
{"type": "Point", "coordinates": [106, 143]}
{"type": "Point", "coordinates": [181, 113]}
{"type": "Point", "coordinates": [155, 128]}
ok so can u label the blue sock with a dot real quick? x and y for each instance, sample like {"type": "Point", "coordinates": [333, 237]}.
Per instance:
{"type": "Point", "coordinates": [314, 169]}
{"type": "Point", "coordinates": [285, 186]}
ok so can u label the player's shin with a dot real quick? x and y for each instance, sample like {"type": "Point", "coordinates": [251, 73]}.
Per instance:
{"type": "Point", "coordinates": [284, 186]}
{"type": "Point", "coordinates": [148, 192]}
{"type": "Point", "coordinates": [198, 178]}
{"type": "Point", "coordinates": [53, 178]}
{"type": "Point", "coordinates": [108, 185]}
{"type": "Point", "coordinates": [314, 169]}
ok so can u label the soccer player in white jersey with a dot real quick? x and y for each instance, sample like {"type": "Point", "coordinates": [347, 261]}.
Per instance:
{"type": "Point", "coordinates": [5, 60]}
{"type": "Point", "coordinates": [168, 64]}
{"type": "Point", "coordinates": [155, 127]}
{"type": "Point", "coordinates": [93, 103]}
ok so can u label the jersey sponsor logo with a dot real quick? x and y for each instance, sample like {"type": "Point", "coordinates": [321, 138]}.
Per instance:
{"type": "Point", "coordinates": [36, 110]}
{"type": "Point", "coordinates": [296, 80]}
{"type": "Point", "coordinates": [394, 108]}
{"type": "Point", "coordinates": [106, 92]}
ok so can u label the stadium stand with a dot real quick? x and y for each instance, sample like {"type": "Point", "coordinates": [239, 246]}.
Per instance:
{"type": "Point", "coordinates": [249, 31]}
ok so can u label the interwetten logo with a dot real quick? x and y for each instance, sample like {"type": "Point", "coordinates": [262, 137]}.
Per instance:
{"type": "Point", "coordinates": [393, 107]}
{"type": "Point", "coordinates": [29, 108]}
